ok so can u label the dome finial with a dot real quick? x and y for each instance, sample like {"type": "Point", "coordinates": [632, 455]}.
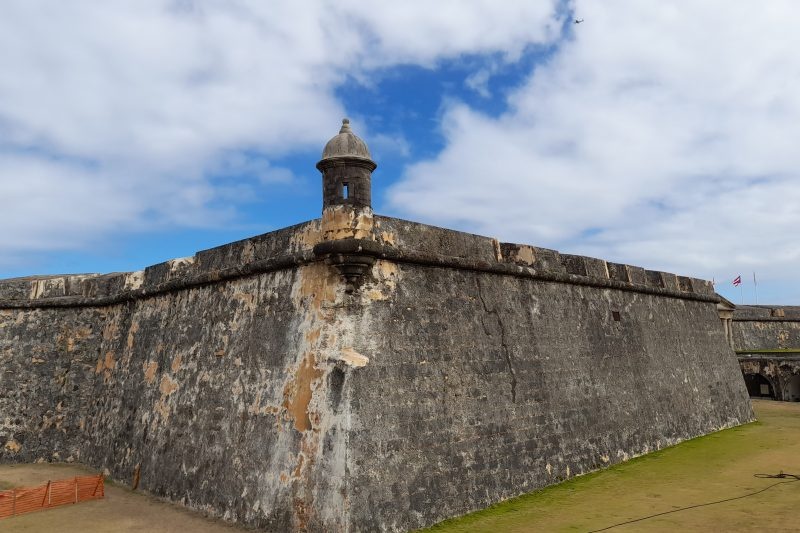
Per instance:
{"type": "Point", "coordinates": [346, 144]}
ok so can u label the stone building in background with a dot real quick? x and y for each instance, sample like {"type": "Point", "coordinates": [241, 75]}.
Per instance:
{"type": "Point", "coordinates": [766, 339]}
{"type": "Point", "coordinates": [359, 372]}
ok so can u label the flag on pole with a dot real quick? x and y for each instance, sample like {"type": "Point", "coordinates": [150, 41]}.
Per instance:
{"type": "Point", "coordinates": [737, 281]}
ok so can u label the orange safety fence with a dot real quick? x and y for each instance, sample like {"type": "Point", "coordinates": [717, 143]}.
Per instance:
{"type": "Point", "coordinates": [52, 494]}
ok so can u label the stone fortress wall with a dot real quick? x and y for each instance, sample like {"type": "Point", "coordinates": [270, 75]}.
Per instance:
{"type": "Point", "coordinates": [766, 327]}
{"type": "Point", "coordinates": [247, 382]}
{"type": "Point", "coordinates": [359, 372]}
{"type": "Point", "coordinates": [767, 342]}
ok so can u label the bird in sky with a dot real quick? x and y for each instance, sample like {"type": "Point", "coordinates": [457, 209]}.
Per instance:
{"type": "Point", "coordinates": [578, 21]}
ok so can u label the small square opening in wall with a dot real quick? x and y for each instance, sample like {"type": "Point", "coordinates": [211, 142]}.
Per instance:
{"type": "Point", "coordinates": [345, 190]}
{"type": "Point", "coordinates": [616, 316]}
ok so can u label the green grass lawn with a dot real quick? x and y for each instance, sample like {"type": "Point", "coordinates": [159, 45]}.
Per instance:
{"type": "Point", "coordinates": [701, 470]}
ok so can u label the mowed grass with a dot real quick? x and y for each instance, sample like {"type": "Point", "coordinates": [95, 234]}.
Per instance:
{"type": "Point", "coordinates": [701, 470]}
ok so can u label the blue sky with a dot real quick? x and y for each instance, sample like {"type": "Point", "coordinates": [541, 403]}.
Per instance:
{"type": "Point", "coordinates": [661, 134]}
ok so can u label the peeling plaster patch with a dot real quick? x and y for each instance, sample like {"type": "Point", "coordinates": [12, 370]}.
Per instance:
{"type": "Point", "coordinates": [109, 363]}
{"type": "Point", "coordinates": [498, 254]}
{"type": "Point", "coordinates": [388, 271]}
{"type": "Point", "coordinates": [318, 283]}
{"type": "Point", "coordinates": [180, 263]}
{"type": "Point", "coordinates": [525, 255]}
{"type": "Point", "coordinates": [388, 238]}
{"type": "Point", "coordinates": [352, 358]}
{"type": "Point", "coordinates": [134, 280]}
{"type": "Point", "coordinates": [13, 446]}
{"type": "Point", "coordinates": [134, 329]}
{"type": "Point", "coordinates": [176, 363]}
{"type": "Point", "coordinates": [344, 222]}
{"type": "Point", "coordinates": [105, 364]}
{"type": "Point", "coordinates": [167, 386]}
{"type": "Point", "coordinates": [37, 288]}
{"type": "Point", "coordinates": [375, 294]}
{"type": "Point", "coordinates": [307, 237]}
{"type": "Point", "coordinates": [386, 275]}
{"type": "Point", "coordinates": [150, 370]}
{"type": "Point", "coordinates": [297, 394]}
{"type": "Point", "coordinates": [312, 335]}
{"type": "Point", "coordinates": [41, 286]}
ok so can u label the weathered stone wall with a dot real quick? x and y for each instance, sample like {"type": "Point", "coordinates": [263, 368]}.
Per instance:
{"type": "Point", "coordinates": [483, 387]}
{"type": "Point", "coordinates": [48, 359]}
{"type": "Point", "coordinates": [250, 382]}
{"type": "Point", "coordinates": [766, 328]}
{"type": "Point", "coordinates": [228, 396]}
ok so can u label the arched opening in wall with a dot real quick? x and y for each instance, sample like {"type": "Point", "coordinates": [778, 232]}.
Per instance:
{"type": "Point", "coordinates": [793, 388]}
{"type": "Point", "coordinates": [758, 386]}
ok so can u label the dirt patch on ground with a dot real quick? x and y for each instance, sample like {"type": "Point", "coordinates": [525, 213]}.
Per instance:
{"type": "Point", "coordinates": [121, 511]}
{"type": "Point", "coordinates": [705, 469]}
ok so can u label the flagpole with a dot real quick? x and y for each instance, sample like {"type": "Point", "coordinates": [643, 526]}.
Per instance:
{"type": "Point", "coordinates": [755, 287]}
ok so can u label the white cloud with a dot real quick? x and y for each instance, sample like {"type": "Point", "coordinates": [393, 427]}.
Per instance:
{"type": "Point", "coordinates": [478, 81]}
{"type": "Point", "coordinates": [662, 134]}
{"type": "Point", "coordinates": [116, 115]}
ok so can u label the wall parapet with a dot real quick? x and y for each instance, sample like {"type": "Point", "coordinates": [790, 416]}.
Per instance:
{"type": "Point", "coordinates": [391, 239]}
{"type": "Point", "coordinates": [766, 313]}
{"type": "Point", "coordinates": [424, 244]}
